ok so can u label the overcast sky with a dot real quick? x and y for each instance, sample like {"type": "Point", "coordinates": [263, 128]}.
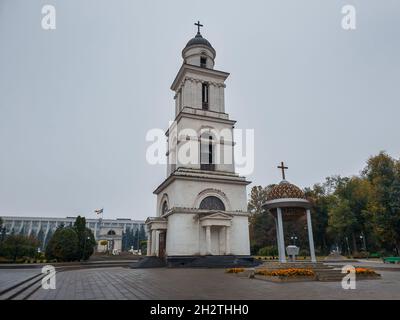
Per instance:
{"type": "Point", "coordinates": [76, 102]}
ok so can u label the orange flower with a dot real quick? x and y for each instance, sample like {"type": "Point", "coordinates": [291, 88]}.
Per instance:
{"type": "Point", "coordinates": [290, 272]}
{"type": "Point", "coordinates": [365, 271]}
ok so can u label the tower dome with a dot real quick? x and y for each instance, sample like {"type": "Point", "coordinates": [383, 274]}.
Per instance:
{"type": "Point", "coordinates": [199, 40]}
{"type": "Point", "coordinates": [199, 51]}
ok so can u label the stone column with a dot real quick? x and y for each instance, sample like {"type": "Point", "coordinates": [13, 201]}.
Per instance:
{"type": "Point", "coordinates": [222, 97]}
{"type": "Point", "coordinates": [153, 242]}
{"type": "Point", "coordinates": [208, 239]}
{"type": "Point", "coordinates": [310, 236]}
{"type": "Point", "coordinates": [211, 97]}
{"type": "Point", "coordinates": [30, 228]}
{"type": "Point", "coordinates": [149, 243]}
{"type": "Point", "coordinates": [277, 238]}
{"type": "Point", "coordinates": [157, 253]}
{"type": "Point", "coordinates": [39, 227]}
{"type": "Point", "coordinates": [227, 240]}
{"type": "Point", "coordinates": [281, 241]}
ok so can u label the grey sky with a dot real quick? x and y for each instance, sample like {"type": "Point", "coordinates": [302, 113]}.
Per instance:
{"type": "Point", "coordinates": [76, 103]}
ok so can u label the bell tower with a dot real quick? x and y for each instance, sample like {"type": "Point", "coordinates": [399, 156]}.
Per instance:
{"type": "Point", "coordinates": [198, 85]}
{"type": "Point", "coordinates": [200, 106]}
{"type": "Point", "coordinates": [202, 203]}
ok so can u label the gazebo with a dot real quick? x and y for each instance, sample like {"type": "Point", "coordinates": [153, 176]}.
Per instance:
{"type": "Point", "coordinates": [289, 201]}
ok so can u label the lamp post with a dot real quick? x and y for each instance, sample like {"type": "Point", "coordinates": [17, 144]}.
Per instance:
{"type": "Point", "coordinates": [348, 247]}
{"type": "Point", "coordinates": [362, 238]}
{"type": "Point", "coordinates": [84, 247]}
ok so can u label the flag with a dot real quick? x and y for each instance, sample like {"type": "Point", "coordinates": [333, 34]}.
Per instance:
{"type": "Point", "coordinates": [98, 211]}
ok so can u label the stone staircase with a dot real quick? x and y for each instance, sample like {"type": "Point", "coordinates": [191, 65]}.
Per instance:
{"type": "Point", "coordinates": [212, 262]}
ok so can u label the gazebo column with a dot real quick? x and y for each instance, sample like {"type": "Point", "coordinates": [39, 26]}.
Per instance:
{"type": "Point", "coordinates": [310, 236]}
{"type": "Point", "coordinates": [281, 239]}
{"type": "Point", "coordinates": [208, 239]}
{"type": "Point", "coordinates": [277, 237]}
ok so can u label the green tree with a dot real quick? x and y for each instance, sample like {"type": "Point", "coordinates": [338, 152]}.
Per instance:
{"type": "Point", "coordinates": [63, 245]}
{"type": "Point", "coordinates": [321, 200]}
{"type": "Point", "coordinates": [18, 246]}
{"type": "Point", "coordinates": [40, 238]}
{"type": "Point", "coordinates": [383, 172]}
{"type": "Point", "coordinates": [3, 231]}
{"type": "Point", "coordinates": [142, 233]}
{"type": "Point", "coordinates": [262, 224]}
{"type": "Point", "coordinates": [348, 215]}
{"type": "Point", "coordinates": [86, 241]}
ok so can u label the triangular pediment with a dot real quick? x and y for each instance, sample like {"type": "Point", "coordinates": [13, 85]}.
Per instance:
{"type": "Point", "coordinates": [218, 215]}
{"type": "Point", "coordinates": [150, 220]}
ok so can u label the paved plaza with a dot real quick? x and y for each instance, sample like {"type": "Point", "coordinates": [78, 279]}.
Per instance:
{"type": "Point", "coordinates": [9, 277]}
{"type": "Point", "coordinates": [124, 283]}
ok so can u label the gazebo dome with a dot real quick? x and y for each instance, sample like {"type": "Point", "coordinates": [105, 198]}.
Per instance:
{"type": "Point", "coordinates": [285, 190]}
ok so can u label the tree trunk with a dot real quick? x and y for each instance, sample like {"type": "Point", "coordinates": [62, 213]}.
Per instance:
{"type": "Point", "coordinates": [354, 243]}
{"type": "Point", "coordinates": [397, 247]}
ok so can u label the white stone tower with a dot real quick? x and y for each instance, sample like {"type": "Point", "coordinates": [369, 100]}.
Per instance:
{"type": "Point", "coordinates": [202, 204]}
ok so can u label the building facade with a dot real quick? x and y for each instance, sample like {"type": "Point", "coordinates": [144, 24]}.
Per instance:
{"type": "Point", "coordinates": [43, 227]}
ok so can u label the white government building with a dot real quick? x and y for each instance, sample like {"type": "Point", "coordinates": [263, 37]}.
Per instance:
{"type": "Point", "coordinates": [107, 229]}
{"type": "Point", "coordinates": [201, 205]}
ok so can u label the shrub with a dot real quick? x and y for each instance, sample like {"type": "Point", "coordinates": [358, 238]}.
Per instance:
{"type": "Point", "coordinates": [268, 251]}
{"type": "Point", "coordinates": [71, 243]}
{"type": "Point", "coordinates": [234, 270]}
{"type": "Point", "coordinates": [361, 255]}
{"type": "Point", "coordinates": [63, 245]}
{"type": "Point", "coordinates": [18, 246]}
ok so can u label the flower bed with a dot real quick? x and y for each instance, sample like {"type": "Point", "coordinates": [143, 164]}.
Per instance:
{"type": "Point", "coordinates": [285, 275]}
{"type": "Point", "coordinates": [366, 273]}
{"type": "Point", "coordinates": [291, 272]}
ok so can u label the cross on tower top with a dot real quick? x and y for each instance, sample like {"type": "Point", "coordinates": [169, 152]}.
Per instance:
{"type": "Point", "coordinates": [199, 25]}
{"type": "Point", "coordinates": [282, 167]}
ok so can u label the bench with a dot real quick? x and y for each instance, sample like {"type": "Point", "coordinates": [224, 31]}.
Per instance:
{"type": "Point", "coordinates": [391, 260]}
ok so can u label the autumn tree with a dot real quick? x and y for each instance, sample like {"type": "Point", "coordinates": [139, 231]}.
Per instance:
{"type": "Point", "coordinates": [383, 172]}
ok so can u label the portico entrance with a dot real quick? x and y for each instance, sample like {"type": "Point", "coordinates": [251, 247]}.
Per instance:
{"type": "Point", "coordinates": [217, 229]}
{"type": "Point", "coordinates": [156, 243]}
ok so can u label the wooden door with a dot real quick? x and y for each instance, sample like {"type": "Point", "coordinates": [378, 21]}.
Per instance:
{"type": "Point", "coordinates": [162, 244]}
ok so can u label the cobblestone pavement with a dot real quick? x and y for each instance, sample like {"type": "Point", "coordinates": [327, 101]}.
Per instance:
{"type": "Point", "coordinates": [124, 283]}
{"type": "Point", "coordinates": [10, 277]}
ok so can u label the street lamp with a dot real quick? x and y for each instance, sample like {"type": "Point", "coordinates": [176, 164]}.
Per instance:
{"type": "Point", "coordinates": [362, 238]}
{"type": "Point", "coordinates": [84, 247]}
{"type": "Point", "coordinates": [348, 247]}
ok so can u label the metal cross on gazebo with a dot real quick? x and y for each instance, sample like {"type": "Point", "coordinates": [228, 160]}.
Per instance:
{"type": "Point", "coordinates": [282, 167]}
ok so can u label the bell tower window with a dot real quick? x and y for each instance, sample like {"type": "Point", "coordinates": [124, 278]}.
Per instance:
{"type": "Point", "coordinates": [204, 96]}
{"type": "Point", "coordinates": [206, 154]}
{"type": "Point", "coordinates": [203, 62]}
